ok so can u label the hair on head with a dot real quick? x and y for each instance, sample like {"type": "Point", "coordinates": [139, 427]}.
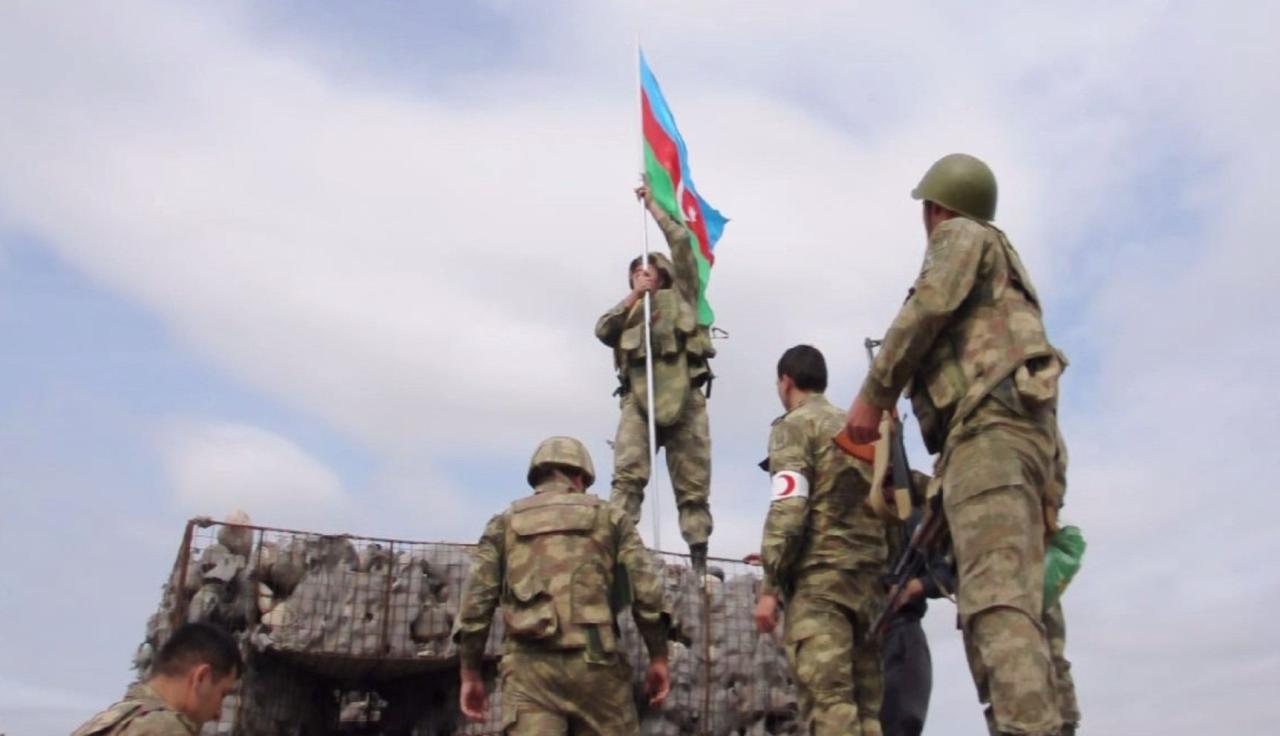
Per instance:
{"type": "Point", "coordinates": [806, 367]}
{"type": "Point", "coordinates": [195, 644]}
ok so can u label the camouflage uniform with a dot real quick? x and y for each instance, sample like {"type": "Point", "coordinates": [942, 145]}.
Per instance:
{"type": "Point", "coordinates": [561, 563]}
{"type": "Point", "coordinates": [984, 386]}
{"type": "Point", "coordinates": [1055, 623]}
{"type": "Point", "coordinates": [141, 713]}
{"type": "Point", "coordinates": [681, 349]}
{"type": "Point", "coordinates": [1056, 628]}
{"type": "Point", "coordinates": [825, 551]}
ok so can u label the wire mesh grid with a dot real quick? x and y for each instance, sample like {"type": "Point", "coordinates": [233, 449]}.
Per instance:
{"type": "Point", "coordinates": [348, 634]}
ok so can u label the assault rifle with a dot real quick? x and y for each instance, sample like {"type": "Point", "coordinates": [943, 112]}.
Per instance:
{"type": "Point", "coordinates": [899, 469]}
{"type": "Point", "coordinates": [900, 483]}
{"type": "Point", "coordinates": [927, 521]}
{"type": "Point", "coordinates": [927, 540]}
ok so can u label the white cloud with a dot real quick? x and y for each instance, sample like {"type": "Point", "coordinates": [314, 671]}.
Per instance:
{"type": "Point", "coordinates": [422, 273]}
{"type": "Point", "coordinates": [216, 468]}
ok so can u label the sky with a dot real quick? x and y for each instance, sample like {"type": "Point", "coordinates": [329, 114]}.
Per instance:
{"type": "Point", "coordinates": [337, 264]}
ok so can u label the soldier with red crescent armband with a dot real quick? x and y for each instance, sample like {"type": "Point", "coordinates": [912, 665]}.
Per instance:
{"type": "Point", "coordinates": [823, 553]}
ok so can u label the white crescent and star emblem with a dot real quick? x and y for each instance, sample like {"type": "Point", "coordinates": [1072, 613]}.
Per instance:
{"type": "Point", "coordinates": [688, 208]}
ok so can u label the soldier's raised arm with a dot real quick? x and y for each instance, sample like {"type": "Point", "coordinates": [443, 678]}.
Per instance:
{"type": "Point", "coordinates": [680, 242]}
{"type": "Point", "coordinates": [480, 599]}
{"type": "Point", "coordinates": [946, 279]}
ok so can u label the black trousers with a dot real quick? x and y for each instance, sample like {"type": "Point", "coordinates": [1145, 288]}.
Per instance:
{"type": "Point", "coordinates": [908, 678]}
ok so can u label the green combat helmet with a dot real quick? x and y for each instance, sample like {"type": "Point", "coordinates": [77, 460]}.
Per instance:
{"type": "Point", "coordinates": [565, 452]}
{"type": "Point", "coordinates": [962, 183]}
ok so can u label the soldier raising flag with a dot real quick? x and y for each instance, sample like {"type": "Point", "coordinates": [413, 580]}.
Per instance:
{"type": "Point", "coordinates": [660, 334]}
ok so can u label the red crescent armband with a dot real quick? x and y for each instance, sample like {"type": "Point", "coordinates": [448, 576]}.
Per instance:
{"type": "Point", "coordinates": [789, 484]}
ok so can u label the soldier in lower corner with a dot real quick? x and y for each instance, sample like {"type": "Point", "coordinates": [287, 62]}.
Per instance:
{"type": "Point", "coordinates": [681, 350]}
{"type": "Point", "coordinates": [195, 669]}
{"type": "Point", "coordinates": [823, 554]}
{"type": "Point", "coordinates": [562, 564]}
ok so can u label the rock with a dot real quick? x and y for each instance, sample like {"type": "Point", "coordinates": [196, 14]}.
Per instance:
{"type": "Point", "coordinates": [237, 539]}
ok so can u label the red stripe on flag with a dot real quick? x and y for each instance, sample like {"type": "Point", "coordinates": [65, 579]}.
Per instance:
{"type": "Point", "coordinates": [664, 149]}
{"type": "Point", "coordinates": [668, 155]}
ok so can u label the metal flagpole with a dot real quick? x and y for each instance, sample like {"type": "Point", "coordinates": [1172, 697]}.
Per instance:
{"type": "Point", "coordinates": [654, 497]}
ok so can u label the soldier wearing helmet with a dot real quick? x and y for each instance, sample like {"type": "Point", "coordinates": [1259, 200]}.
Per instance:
{"type": "Point", "coordinates": [562, 564]}
{"type": "Point", "coordinates": [681, 351]}
{"type": "Point", "coordinates": [970, 349]}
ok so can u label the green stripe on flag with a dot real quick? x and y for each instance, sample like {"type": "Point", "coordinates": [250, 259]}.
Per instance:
{"type": "Point", "coordinates": [664, 193]}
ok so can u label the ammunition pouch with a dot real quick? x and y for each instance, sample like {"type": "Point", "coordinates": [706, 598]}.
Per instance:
{"type": "Point", "coordinates": [681, 350]}
{"type": "Point", "coordinates": [1036, 380]}
{"type": "Point", "coordinates": [671, 385]}
{"type": "Point", "coordinates": [932, 420]}
{"type": "Point", "coordinates": [529, 611]}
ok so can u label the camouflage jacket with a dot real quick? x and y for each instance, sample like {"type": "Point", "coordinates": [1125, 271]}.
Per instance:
{"type": "Point", "coordinates": [561, 565]}
{"type": "Point", "coordinates": [818, 517]}
{"type": "Point", "coordinates": [141, 713]}
{"type": "Point", "coordinates": [681, 347]}
{"type": "Point", "coordinates": [971, 321]}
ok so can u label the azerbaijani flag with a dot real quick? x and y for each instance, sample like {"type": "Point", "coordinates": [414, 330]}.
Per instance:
{"type": "Point", "coordinates": [666, 164]}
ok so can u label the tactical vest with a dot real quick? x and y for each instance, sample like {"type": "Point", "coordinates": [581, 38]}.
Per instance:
{"type": "Point", "coordinates": [681, 349]}
{"type": "Point", "coordinates": [997, 335]}
{"type": "Point", "coordinates": [559, 573]}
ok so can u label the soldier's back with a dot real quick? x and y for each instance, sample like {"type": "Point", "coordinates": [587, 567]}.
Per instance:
{"type": "Point", "coordinates": [844, 533]}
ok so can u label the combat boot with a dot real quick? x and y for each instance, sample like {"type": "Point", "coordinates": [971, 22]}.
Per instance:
{"type": "Point", "coordinates": [698, 558]}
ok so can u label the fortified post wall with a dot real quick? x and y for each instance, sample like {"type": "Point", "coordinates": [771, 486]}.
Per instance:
{"type": "Point", "coordinates": [346, 634]}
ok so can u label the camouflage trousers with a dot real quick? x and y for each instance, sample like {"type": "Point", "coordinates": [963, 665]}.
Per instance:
{"type": "Point", "coordinates": [835, 660]}
{"type": "Point", "coordinates": [995, 471]}
{"type": "Point", "coordinates": [688, 449]}
{"type": "Point", "coordinates": [1055, 625]}
{"type": "Point", "coordinates": [558, 692]}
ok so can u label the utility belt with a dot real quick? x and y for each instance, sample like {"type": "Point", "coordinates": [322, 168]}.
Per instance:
{"type": "Point", "coordinates": [702, 381]}
{"type": "Point", "coordinates": [594, 650]}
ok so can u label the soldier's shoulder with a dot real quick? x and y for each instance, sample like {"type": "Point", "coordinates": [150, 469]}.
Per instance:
{"type": "Point", "coordinates": [159, 722]}
{"type": "Point", "coordinates": [497, 523]}
{"type": "Point", "coordinates": [108, 718]}
{"type": "Point", "coordinates": [815, 413]}
{"type": "Point", "coordinates": [784, 427]}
